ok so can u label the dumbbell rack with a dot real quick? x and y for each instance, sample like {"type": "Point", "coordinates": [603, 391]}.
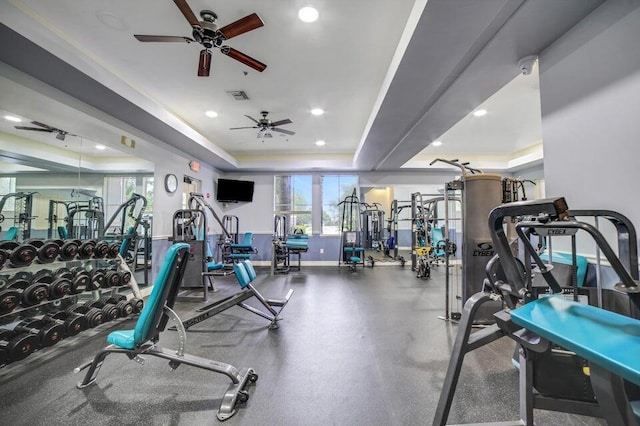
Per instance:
{"type": "Point", "coordinates": [41, 291]}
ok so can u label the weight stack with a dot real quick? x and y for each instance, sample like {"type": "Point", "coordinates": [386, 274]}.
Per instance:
{"type": "Point", "coordinates": [481, 194]}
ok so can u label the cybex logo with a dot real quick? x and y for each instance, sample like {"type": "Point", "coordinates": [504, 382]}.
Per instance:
{"type": "Point", "coordinates": [557, 231]}
{"type": "Point", "coordinates": [483, 249]}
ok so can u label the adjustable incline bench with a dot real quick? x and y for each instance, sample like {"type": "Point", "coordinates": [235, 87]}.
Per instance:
{"type": "Point", "coordinates": [144, 338]}
{"type": "Point", "coordinates": [245, 274]}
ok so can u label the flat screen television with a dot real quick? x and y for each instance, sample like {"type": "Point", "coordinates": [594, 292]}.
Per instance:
{"type": "Point", "coordinates": [230, 190]}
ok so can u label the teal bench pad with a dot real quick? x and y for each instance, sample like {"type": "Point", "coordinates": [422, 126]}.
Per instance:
{"type": "Point", "coordinates": [355, 259]}
{"type": "Point", "coordinates": [353, 249]}
{"type": "Point", "coordinates": [608, 339]}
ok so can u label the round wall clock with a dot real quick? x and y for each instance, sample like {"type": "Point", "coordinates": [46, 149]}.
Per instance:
{"type": "Point", "coordinates": [170, 183]}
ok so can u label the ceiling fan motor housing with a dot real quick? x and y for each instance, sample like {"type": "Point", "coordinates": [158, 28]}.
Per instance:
{"type": "Point", "coordinates": [207, 34]}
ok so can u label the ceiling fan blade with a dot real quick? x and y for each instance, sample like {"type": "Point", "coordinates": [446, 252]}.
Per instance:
{"type": "Point", "coordinates": [37, 129]}
{"type": "Point", "coordinates": [187, 12]}
{"type": "Point", "coordinates": [46, 126]}
{"type": "Point", "coordinates": [286, 132]}
{"type": "Point", "coordinates": [281, 122]}
{"type": "Point", "coordinates": [204, 65]}
{"type": "Point", "coordinates": [238, 128]}
{"type": "Point", "coordinates": [245, 59]}
{"type": "Point", "coordinates": [162, 39]}
{"type": "Point", "coordinates": [241, 26]}
{"type": "Point", "coordinates": [252, 119]}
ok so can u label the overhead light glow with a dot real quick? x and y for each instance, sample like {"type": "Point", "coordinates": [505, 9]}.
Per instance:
{"type": "Point", "coordinates": [320, 143]}
{"type": "Point", "coordinates": [12, 118]}
{"type": "Point", "coordinates": [317, 111]}
{"type": "Point", "coordinates": [101, 147]}
{"type": "Point", "coordinates": [308, 14]}
{"type": "Point", "coordinates": [436, 143]}
{"type": "Point", "coordinates": [211, 114]}
{"type": "Point", "coordinates": [480, 112]}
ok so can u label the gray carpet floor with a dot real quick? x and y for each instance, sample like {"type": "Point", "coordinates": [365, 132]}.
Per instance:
{"type": "Point", "coordinates": [363, 348]}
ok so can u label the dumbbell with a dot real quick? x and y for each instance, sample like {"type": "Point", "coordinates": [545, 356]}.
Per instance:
{"type": "Point", "coordinates": [94, 317]}
{"type": "Point", "coordinates": [101, 250]}
{"type": "Point", "coordinates": [108, 309]}
{"type": "Point", "coordinates": [81, 280]}
{"type": "Point", "coordinates": [31, 293]}
{"type": "Point", "coordinates": [96, 279]}
{"type": "Point", "coordinates": [114, 250]}
{"type": "Point", "coordinates": [125, 277]}
{"type": "Point", "coordinates": [111, 278]}
{"type": "Point", "coordinates": [125, 308]}
{"type": "Point", "coordinates": [19, 254]}
{"type": "Point", "coordinates": [68, 249]}
{"type": "Point", "coordinates": [48, 334]}
{"type": "Point", "coordinates": [60, 285]}
{"type": "Point", "coordinates": [47, 250]}
{"type": "Point", "coordinates": [73, 324]}
{"type": "Point", "coordinates": [138, 305]}
{"type": "Point", "coordinates": [14, 347]}
{"type": "Point", "coordinates": [85, 248]}
{"type": "Point", "coordinates": [4, 255]}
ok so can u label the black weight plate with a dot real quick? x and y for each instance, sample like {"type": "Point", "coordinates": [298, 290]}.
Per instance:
{"type": "Point", "coordinates": [80, 283]}
{"type": "Point", "coordinates": [97, 280]}
{"type": "Point", "coordinates": [69, 250]}
{"type": "Point", "coordinates": [125, 277]}
{"type": "Point", "coordinates": [45, 274]}
{"type": "Point", "coordinates": [22, 346]}
{"type": "Point", "coordinates": [22, 275]}
{"type": "Point", "coordinates": [85, 250]}
{"type": "Point", "coordinates": [35, 242]}
{"type": "Point", "coordinates": [48, 252]}
{"type": "Point", "coordinates": [59, 288]}
{"type": "Point", "coordinates": [34, 294]}
{"type": "Point", "coordinates": [75, 325]}
{"type": "Point", "coordinates": [9, 300]}
{"type": "Point", "coordinates": [101, 249]}
{"type": "Point", "coordinates": [4, 255]}
{"type": "Point", "coordinates": [112, 278]}
{"type": "Point", "coordinates": [52, 333]}
{"type": "Point", "coordinates": [8, 245]}
{"type": "Point", "coordinates": [19, 283]}
{"type": "Point", "coordinates": [114, 250]}
{"type": "Point", "coordinates": [23, 255]}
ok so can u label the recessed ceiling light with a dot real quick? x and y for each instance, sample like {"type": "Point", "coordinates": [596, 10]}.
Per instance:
{"type": "Point", "coordinates": [211, 114]}
{"type": "Point", "coordinates": [480, 112]}
{"type": "Point", "coordinates": [12, 118]}
{"type": "Point", "coordinates": [436, 143]}
{"type": "Point", "coordinates": [317, 111]}
{"type": "Point", "coordinates": [320, 143]}
{"type": "Point", "coordinates": [101, 147]}
{"type": "Point", "coordinates": [308, 14]}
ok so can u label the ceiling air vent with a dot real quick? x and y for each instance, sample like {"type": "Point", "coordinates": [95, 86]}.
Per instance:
{"type": "Point", "coordinates": [238, 95]}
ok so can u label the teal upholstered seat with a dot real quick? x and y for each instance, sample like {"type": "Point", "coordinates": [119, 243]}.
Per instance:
{"type": "Point", "coordinates": [248, 266]}
{"type": "Point", "coordinates": [241, 274]}
{"type": "Point", "coordinates": [150, 315]}
{"type": "Point", "coordinates": [606, 338]}
{"type": "Point", "coordinates": [246, 244]}
{"type": "Point", "coordinates": [12, 233]}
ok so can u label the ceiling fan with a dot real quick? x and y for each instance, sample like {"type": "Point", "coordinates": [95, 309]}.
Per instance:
{"type": "Point", "coordinates": [266, 126]}
{"type": "Point", "coordinates": [60, 134]}
{"type": "Point", "coordinates": [207, 33]}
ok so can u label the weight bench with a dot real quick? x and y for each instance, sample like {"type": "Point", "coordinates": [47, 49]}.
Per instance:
{"type": "Point", "coordinates": [143, 339]}
{"type": "Point", "coordinates": [242, 251]}
{"type": "Point", "coordinates": [609, 341]}
{"type": "Point", "coordinates": [245, 274]}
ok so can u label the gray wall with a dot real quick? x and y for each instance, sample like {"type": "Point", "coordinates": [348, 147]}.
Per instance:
{"type": "Point", "coordinates": [590, 98]}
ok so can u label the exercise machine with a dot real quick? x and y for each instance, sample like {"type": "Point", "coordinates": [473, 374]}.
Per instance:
{"type": "Point", "coordinates": [285, 244]}
{"type": "Point", "coordinates": [22, 215]}
{"type": "Point", "coordinates": [607, 341]}
{"type": "Point", "coordinates": [351, 250]}
{"type": "Point", "coordinates": [189, 226]}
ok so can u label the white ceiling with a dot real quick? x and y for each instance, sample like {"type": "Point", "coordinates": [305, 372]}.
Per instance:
{"type": "Point", "coordinates": [387, 89]}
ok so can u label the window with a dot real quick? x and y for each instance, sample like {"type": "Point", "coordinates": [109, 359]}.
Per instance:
{"type": "Point", "coordinates": [8, 186]}
{"type": "Point", "coordinates": [293, 198]}
{"type": "Point", "coordinates": [334, 190]}
{"type": "Point", "coordinates": [147, 185]}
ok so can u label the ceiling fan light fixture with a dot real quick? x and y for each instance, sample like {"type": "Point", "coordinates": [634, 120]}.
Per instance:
{"type": "Point", "coordinates": [320, 143]}
{"type": "Point", "coordinates": [13, 118]}
{"type": "Point", "coordinates": [211, 114]}
{"type": "Point", "coordinates": [204, 65]}
{"type": "Point", "coordinates": [308, 14]}
{"type": "Point", "coordinates": [317, 111]}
